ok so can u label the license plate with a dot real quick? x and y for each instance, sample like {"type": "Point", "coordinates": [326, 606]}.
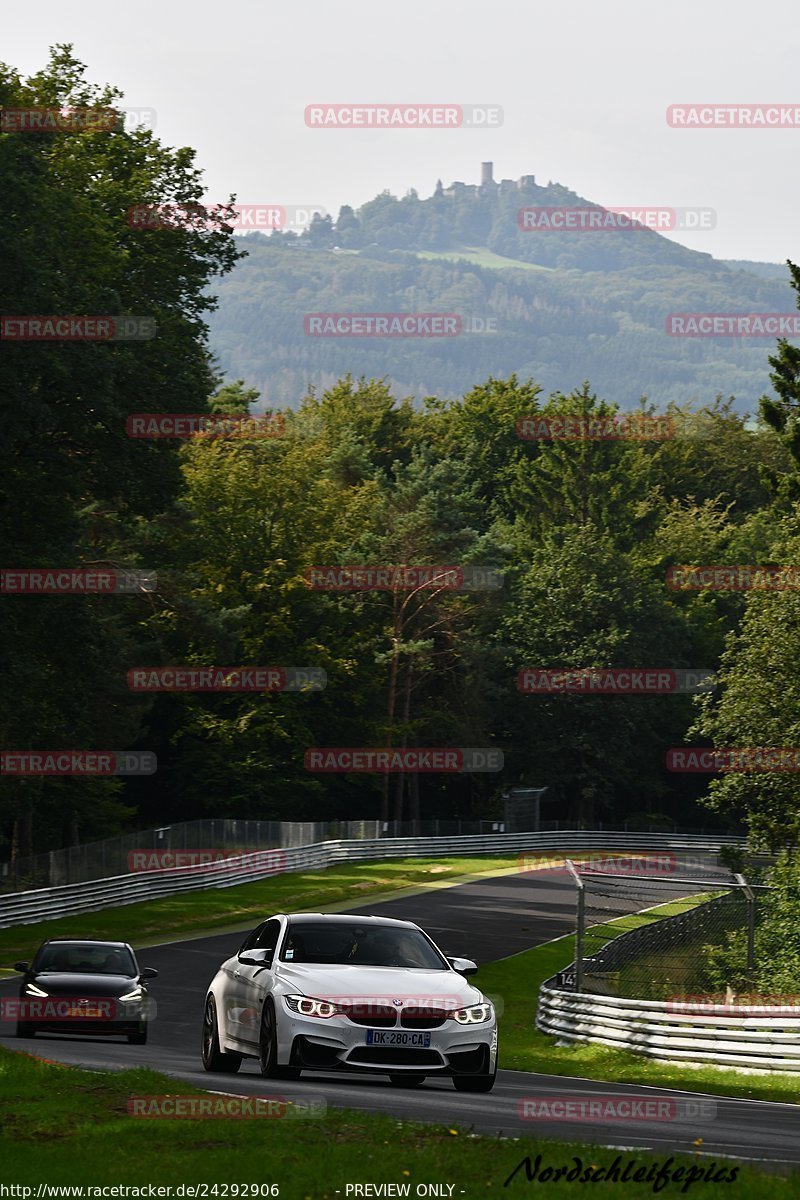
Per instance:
{"type": "Point", "coordinates": [391, 1037]}
{"type": "Point", "coordinates": [84, 1012]}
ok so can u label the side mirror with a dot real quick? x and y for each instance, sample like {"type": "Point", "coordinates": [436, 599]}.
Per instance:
{"type": "Point", "coordinates": [464, 966]}
{"type": "Point", "coordinates": [257, 958]}
{"type": "Point", "coordinates": [22, 966]}
{"type": "Point", "coordinates": [148, 973]}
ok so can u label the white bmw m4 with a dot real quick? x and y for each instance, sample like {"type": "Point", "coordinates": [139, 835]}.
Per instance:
{"type": "Point", "coordinates": [318, 992]}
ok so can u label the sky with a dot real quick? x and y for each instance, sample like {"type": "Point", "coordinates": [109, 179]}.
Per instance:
{"type": "Point", "coordinates": [584, 90]}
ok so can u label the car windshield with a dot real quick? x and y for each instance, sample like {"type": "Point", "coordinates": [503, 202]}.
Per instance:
{"type": "Point", "coordinates": [360, 945]}
{"type": "Point", "coordinates": [85, 958]}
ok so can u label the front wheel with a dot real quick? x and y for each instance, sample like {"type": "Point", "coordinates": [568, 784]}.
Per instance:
{"type": "Point", "coordinates": [474, 1083]}
{"type": "Point", "coordinates": [24, 1030]}
{"type": "Point", "coordinates": [139, 1038]}
{"type": "Point", "coordinates": [213, 1058]}
{"type": "Point", "coordinates": [407, 1081]}
{"type": "Point", "coordinates": [268, 1047]}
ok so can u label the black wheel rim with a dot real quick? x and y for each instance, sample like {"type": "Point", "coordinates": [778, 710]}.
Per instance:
{"type": "Point", "coordinates": [266, 1039]}
{"type": "Point", "coordinates": [208, 1031]}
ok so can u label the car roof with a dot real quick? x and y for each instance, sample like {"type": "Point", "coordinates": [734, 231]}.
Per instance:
{"type": "Point", "coordinates": [84, 942]}
{"type": "Point", "coordinates": [346, 919]}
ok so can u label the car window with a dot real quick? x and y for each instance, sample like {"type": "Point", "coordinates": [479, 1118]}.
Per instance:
{"type": "Point", "coordinates": [360, 945]}
{"type": "Point", "coordinates": [264, 937]}
{"type": "Point", "coordinates": [268, 938]}
{"type": "Point", "coordinates": [252, 938]}
{"type": "Point", "coordinates": [85, 959]}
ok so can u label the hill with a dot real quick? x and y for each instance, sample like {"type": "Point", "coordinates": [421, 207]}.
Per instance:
{"type": "Point", "coordinates": [557, 306]}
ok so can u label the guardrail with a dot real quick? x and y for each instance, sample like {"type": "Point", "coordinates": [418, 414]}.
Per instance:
{"type": "Point", "coordinates": [721, 1034]}
{"type": "Point", "coordinates": [24, 908]}
{"type": "Point", "coordinates": [725, 1034]}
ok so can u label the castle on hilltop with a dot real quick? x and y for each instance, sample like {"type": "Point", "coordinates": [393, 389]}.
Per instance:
{"type": "Point", "coordinates": [488, 183]}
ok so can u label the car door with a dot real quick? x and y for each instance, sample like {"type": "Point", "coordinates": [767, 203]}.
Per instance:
{"type": "Point", "coordinates": [230, 994]}
{"type": "Point", "coordinates": [252, 981]}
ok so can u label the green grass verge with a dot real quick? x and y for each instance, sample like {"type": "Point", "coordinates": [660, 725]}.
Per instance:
{"type": "Point", "coordinates": [524, 1048]}
{"type": "Point", "coordinates": [189, 913]}
{"type": "Point", "coordinates": [62, 1126]}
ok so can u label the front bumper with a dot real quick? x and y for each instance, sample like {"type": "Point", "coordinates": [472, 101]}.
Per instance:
{"type": "Point", "coordinates": [337, 1044]}
{"type": "Point", "coordinates": [106, 1016]}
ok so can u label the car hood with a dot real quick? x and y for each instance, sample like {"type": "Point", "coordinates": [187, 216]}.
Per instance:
{"type": "Point", "coordinates": [83, 983]}
{"type": "Point", "coordinates": [389, 983]}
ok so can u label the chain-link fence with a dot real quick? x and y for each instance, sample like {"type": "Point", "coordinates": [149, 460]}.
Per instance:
{"type": "Point", "coordinates": [115, 856]}
{"type": "Point", "coordinates": [645, 935]}
{"type": "Point", "coordinates": [191, 839]}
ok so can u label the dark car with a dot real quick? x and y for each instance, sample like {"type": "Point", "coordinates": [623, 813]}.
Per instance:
{"type": "Point", "coordinates": [84, 987]}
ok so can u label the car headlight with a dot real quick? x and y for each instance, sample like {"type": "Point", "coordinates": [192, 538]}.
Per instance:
{"type": "Point", "coordinates": [308, 1006]}
{"type": "Point", "coordinates": [32, 990]}
{"type": "Point", "coordinates": [476, 1014]}
{"type": "Point", "coordinates": [135, 994]}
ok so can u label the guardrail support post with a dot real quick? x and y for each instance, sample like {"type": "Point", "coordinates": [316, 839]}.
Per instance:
{"type": "Point", "coordinates": [580, 924]}
{"type": "Point", "coordinates": [749, 896]}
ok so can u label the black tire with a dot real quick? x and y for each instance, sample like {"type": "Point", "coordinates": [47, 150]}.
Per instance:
{"type": "Point", "coordinates": [474, 1083]}
{"type": "Point", "coordinates": [139, 1038]}
{"type": "Point", "coordinates": [407, 1081]}
{"type": "Point", "coordinates": [213, 1058]}
{"type": "Point", "coordinates": [268, 1047]}
{"type": "Point", "coordinates": [24, 1030]}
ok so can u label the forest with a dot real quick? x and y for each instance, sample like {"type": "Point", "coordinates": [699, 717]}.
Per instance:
{"type": "Point", "coordinates": [581, 532]}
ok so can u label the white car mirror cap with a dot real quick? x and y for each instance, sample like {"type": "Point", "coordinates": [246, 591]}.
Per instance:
{"type": "Point", "coordinates": [256, 958]}
{"type": "Point", "coordinates": [464, 966]}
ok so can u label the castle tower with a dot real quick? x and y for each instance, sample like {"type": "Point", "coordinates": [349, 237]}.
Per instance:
{"type": "Point", "coordinates": [486, 173]}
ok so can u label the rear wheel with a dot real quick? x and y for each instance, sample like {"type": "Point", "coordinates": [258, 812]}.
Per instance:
{"type": "Point", "coordinates": [407, 1081]}
{"type": "Point", "coordinates": [213, 1058]}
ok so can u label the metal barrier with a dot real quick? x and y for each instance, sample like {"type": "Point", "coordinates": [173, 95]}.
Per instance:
{"type": "Point", "coordinates": [721, 1034]}
{"type": "Point", "coordinates": [24, 908]}
{"type": "Point", "coordinates": [763, 1036]}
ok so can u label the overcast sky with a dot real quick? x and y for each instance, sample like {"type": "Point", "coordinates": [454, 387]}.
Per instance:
{"type": "Point", "coordinates": [584, 88]}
